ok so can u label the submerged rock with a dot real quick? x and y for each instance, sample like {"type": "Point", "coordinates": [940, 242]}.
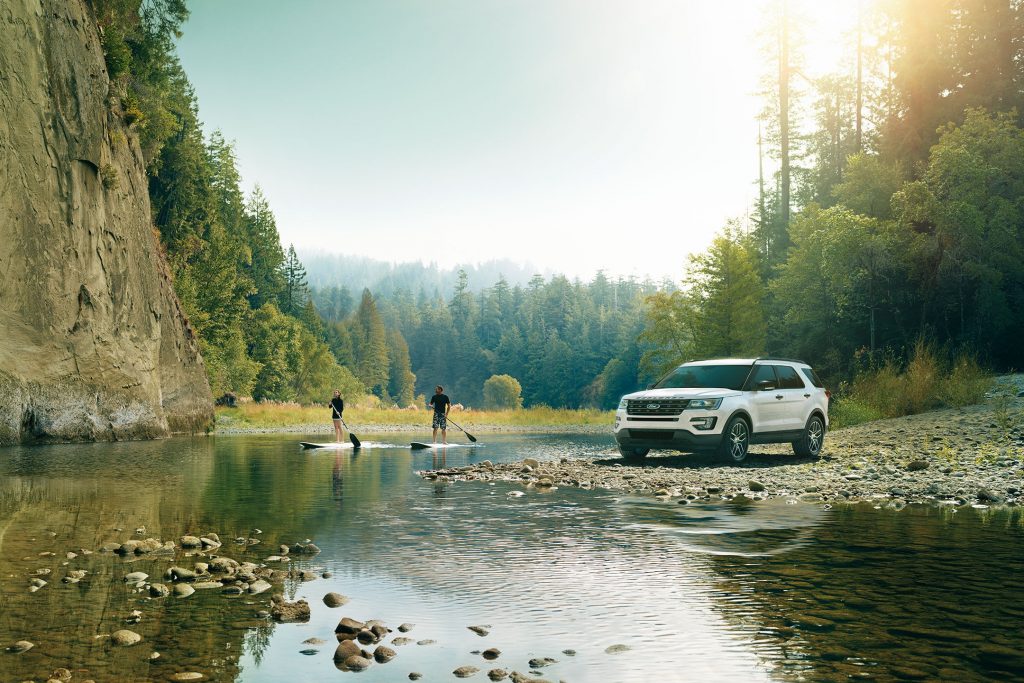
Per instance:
{"type": "Point", "coordinates": [289, 612]}
{"type": "Point", "coordinates": [20, 646]}
{"type": "Point", "coordinates": [465, 671]}
{"type": "Point", "coordinates": [125, 638]}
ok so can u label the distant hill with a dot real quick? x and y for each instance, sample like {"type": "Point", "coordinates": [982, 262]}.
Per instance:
{"type": "Point", "coordinates": [383, 278]}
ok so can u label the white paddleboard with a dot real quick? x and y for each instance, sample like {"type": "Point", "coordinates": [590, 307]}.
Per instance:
{"type": "Point", "coordinates": [332, 444]}
{"type": "Point", "coordinates": [420, 444]}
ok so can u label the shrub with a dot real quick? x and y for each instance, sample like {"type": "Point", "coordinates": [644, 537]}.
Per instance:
{"type": "Point", "coordinates": [965, 384]}
{"type": "Point", "coordinates": [502, 392]}
{"type": "Point", "coordinates": [921, 380]}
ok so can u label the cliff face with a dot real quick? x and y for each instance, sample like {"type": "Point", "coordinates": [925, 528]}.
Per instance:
{"type": "Point", "coordinates": [93, 343]}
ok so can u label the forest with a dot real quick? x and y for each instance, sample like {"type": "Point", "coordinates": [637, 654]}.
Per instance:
{"type": "Point", "coordinates": [889, 214]}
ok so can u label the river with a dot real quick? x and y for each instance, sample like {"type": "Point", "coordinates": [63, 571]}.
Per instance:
{"type": "Point", "coordinates": [723, 591]}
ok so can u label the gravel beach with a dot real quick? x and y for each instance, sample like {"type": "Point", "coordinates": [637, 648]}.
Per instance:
{"type": "Point", "coordinates": [965, 456]}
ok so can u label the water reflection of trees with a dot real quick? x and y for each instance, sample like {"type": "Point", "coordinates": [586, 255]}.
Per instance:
{"type": "Point", "coordinates": [921, 593]}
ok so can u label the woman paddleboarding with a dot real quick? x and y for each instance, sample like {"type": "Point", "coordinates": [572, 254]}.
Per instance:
{"type": "Point", "coordinates": [337, 407]}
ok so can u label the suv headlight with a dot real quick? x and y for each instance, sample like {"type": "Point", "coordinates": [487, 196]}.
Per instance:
{"type": "Point", "coordinates": [622, 404]}
{"type": "Point", "coordinates": [704, 404]}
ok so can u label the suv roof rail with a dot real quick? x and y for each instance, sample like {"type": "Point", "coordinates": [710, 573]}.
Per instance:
{"type": "Point", "coordinates": [787, 360]}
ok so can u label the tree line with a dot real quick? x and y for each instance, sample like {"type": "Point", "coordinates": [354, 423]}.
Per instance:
{"type": "Point", "coordinates": [894, 210]}
{"type": "Point", "coordinates": [561, 343]}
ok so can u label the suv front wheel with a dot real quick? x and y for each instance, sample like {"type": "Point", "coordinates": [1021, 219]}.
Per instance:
{"type": "Point", "coordinates": [809, 445]}
{"type": "Point", "coordinates": [735, 440]}
{"type": "Point", "coordinates": [633, 454]}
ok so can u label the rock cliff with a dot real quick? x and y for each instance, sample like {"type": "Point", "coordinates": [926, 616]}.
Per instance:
{"type": "Point", "coordinates": [93, 342]}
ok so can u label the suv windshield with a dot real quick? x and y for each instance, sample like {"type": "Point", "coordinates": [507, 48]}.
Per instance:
{"type": "Point", "coordinates": [706, 377]}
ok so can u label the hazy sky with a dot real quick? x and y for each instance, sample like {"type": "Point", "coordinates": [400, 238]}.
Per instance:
{"type": "Point", "coordinates": [573, 134]}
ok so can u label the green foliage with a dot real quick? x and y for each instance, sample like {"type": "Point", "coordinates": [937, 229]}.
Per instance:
{"type": "Point", "coordinates": [369, 347]}
{"type": "Point", "coordinates": [925, 382]}
{"type": "Point", "coordinates": [849, 411]}
{"type": "Point", "coordinates": [502, 392]}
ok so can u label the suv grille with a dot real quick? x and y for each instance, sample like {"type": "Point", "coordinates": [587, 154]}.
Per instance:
{"type": "Point", "coordinates": [664, 406]}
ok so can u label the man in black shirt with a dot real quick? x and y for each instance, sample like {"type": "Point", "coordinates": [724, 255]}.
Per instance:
{"type": "Point", "coordinates": [441, 405]}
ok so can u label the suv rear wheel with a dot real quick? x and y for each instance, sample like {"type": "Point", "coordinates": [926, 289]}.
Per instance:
{"type": "Point", "coordinates": [809, 445]}
{"type": "Point", "coordinates": [735, 440]}
{"type": "Point", "coordinates": [634, 454]}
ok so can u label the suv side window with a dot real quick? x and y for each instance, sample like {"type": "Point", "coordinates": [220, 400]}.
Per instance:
{"type": "Point", "coordinates": [810, 374]}
{"type": "Point", "coordinates": [788, 378]}
{"type": "Point", "coordinates": [761, 373]}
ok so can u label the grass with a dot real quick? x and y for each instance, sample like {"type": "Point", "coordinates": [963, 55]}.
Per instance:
{"type": "Point", "coordinates": [270, 415]}
{"type": "Point", "coordinates": [925, 383]}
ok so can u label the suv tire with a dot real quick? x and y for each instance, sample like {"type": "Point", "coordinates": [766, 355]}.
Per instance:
{"type": "Point", "coordinates": [634, 454]}
{"type": "Point", "coordinates": [735, 440]}
{"type": "Point", "coordinates": [809, 445]}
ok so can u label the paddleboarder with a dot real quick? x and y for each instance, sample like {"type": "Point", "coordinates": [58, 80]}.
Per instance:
{"type": "Point", "coordinates": [337, 407]}
{"type": "Point", "coordinates": [442, 404]}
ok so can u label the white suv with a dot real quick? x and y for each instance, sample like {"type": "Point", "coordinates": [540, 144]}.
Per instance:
{"type": "Point", "coordinates": [724, 406]}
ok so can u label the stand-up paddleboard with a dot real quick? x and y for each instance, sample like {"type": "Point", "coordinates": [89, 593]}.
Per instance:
{"type": "Point", "coordinates": [331, 444]}
{"type": "Point", "coordinates": [419, 444]}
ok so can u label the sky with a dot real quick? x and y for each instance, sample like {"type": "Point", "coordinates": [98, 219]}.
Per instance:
{"type": "Point", "coordinates": [574, 135]}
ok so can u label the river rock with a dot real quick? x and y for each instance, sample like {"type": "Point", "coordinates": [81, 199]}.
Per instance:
{"type": "Point", "coordinates": [491, 653]}
{"type": "Point", "coordinates": [531, 463]}
{"type": "Point", "coordinates": [357, 663]}
{"type": "Point", "coordinates": [465, 671]}
{"type": "Point", "coordinates": [538, 662]}
{"type": "Point", "coordinates": [183, 590]}
{"type": "Point", "coordinates": [223, 565]}
{"type": "Point", "coordinates": [480, 630]}
{"type": "Point", "coordinates": [917, 465]}
{"type": "Point", "coordinates": [987, 495]}
{"type": "Point", "coordinates": [617, 649]}
{"type": "Point", "coordinates": [187, 676]}
{"type": "Point", "coordinates": [209, 543]}
{"type": "Point", "coordinates": [159, 590]}
{"type": "Point", "coordinates": [415, 676]}
{"type": "Point", "coordinates": [384, 654]}
{"type": "Point", "coordinates": [754, 485]}
{"type": "Point", "coordinates": [289, 612]}
{"type": "Point", "coordinates": [348, 625]}
{"type": "Point", "coordinates": [497, 674]}
{"type": "Point", "coordinates": [259, 586]}
{"type": "Point", "coordinates": [180, 574]}
{"type": "Point", "coordinates": [190, 542]}
{"type": "Point", "coordinates": [346, 649]}
{"type": "Point", "coordinates": [400, 641]}
{"type": "Point", "coordinates": [61, 674]}
{"type": "Point", "coordinates": [125, 638]}
{"type": "Point", "coordinates": [200, 585]}
{"type": "Point", "coordinates": [367, 637]}
{"type": "Point", "coordinates": [20, 646]}
{"type": "Point", "coordinates": [304, 549]}
{"type": "Point", "coordinates": [405, 628]}
{"type": "Point", "coordinates": [135, 577]}
{"type": "Point", "coordinates": [307, 576]}
{"type": "Point", "coordinates": [335, 599]}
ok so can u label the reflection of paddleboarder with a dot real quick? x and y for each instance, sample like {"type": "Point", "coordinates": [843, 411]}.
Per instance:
{"type": "Point", "coordinates": [337, 483]}
{"type": "Point", "coordinates": [441, 405]}
{"type": "Point", "coordinates": [337, 407]}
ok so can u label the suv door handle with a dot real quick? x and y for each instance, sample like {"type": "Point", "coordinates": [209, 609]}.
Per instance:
{"type": "Point", "coordinates": [778, 396]}
{"type": "Point", "coordinates": [807, 395]}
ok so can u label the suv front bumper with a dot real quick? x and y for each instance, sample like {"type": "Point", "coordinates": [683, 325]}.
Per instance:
{"type": "Point", "coordinates": [667, 439]}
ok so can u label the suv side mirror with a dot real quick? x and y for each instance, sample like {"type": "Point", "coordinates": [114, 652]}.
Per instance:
{"type": "Point", "coordinates": [765, 385]}
{"type": "Point", "coordinates": [651, 385]}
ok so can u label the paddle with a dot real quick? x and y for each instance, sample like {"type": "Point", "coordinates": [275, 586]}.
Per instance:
{"type": "Point", "coordinates": [468, 435]}
{"type": "Point", "coordinates": [352, 437]}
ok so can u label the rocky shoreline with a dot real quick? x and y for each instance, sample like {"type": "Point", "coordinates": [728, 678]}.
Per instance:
{"type": "Point", "coordinates": [968, 456]}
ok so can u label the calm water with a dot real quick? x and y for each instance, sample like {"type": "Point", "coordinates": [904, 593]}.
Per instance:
{"type": "Point", "coordinates": [735, 591]}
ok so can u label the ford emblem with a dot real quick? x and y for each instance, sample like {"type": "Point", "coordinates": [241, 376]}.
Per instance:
{"type": "Point", "coordinates": [653, 406]}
